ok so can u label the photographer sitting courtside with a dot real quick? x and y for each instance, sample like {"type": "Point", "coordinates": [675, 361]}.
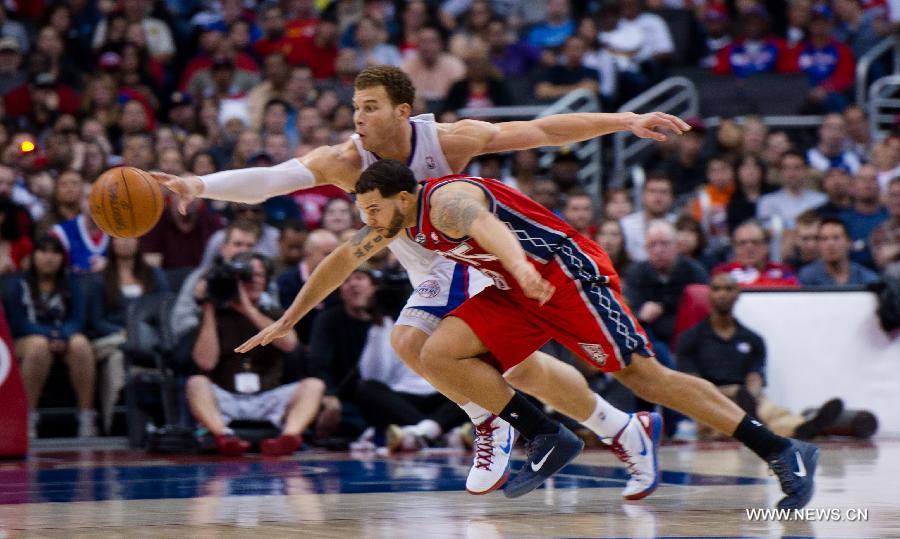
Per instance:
{"type": "Point", "coordinates": [237, 386]}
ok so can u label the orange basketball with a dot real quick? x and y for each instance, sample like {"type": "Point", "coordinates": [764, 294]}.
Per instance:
{"type": "Point", "coordinates": [126, 202]}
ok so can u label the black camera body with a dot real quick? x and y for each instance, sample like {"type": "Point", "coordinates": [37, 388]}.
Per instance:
{"type": "Point", "coordinates": [222, 281]}
{"type": "Point", "coordinates": [391, 293]}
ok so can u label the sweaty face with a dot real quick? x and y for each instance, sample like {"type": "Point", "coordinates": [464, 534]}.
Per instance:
{"type": "Point", "coordinates": [376, 120]}
{"type": "Point", "coordinates": [384, 215]}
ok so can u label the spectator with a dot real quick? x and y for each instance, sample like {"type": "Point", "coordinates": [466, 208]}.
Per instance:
{"type": "Point", "coordinates": [752, 183]}
{"type": "Point", "coordinates": [656, 202]}
{"type": "Point", "coordinates": [885, 239]}
{"type": "Point", "coordinates": [236, 386]}
{"type": "Point", "coordinates": [255, 214]}
{"type": "Point", "coordinates": [338, 216]}
{"type": "Point", "coordinates": [137, 151]}
{"type": "Point", "coordinates": [371, 45]}
{"type": "Point", "coordinates": [687, 167]}
{"type": "Point", "coordinates": [277, 75]}
{"type": "Point", "coordinates": [473, 30]}
{"type": "Point", "coordinates": [338, 338]}
{"type": "Point", "coordinates": [886, 159]}
{"type": "Point", "coordinates": [716, 25]}
{"type": "Point", "coordinates": [834, 268]}
{"type": "Point", "coordinates": [755, 50]}
{"type": "Point", "coordinates": [394, 398]}
{"type": "Point", "coordinates": [657, 46]}
{"type": "Point", "coordinates": [318, 244]}
{"type": "Point", "coordinates": [828, 64]}
{"type": "Point", "coordinates": [13, 30]}
{"type": "Point", "coordinates": [290, 245]}
{"type": "Point", "coordinates": [482, 87]}
{"type": "Point", "coordinates": [546, 193]}
{"type": "Point", "coordinates": [793, 198]}
{"type": "Point", "coordinates": [802, 246]}
{"type": "Point", "coordinates": [159, 38]}
{"type": "Point", "coordinates": [777, 144]}
{"type": "Point", "coordinates": [836, 184]}
{"type": "Point", "coordinates": [692, 243]}
{"type": "Point", "coordinates": [273, 25]}
{"type": "Point", "coordinates": [556, 27]}
{"type": "Point", "coordinates": [733, 357]}
{"type": "Point", "coordinates": [11, 73]}
{"type": "Point", "coordinates": [865, 215]}
{"type": "Point", "coordinates": [799, 14]}
{"type": "Point", "coordinates": [751, 265]}
{"type": "Point", "coordinates": [85, 244]}
{"type": "Point", "coordinates": [571, 75]}
{"type": "Point", "coordinates": [617, 203]}
{"type": "Point", "coordinates": [710, 205]}
{"type": "Point", "coordinates": [753, 135]}
{"type": "Point", "coordinates": [240, 237]}
{"type": "Point", "coordinates": [416, 16]}
{"type": "Point", "coordinates": [68, 193]}
{"type": "Point", "coordinates": [40, 101]}
{"type": "Point", "coordinates": [432, 70]}
{"type": "Point", "coordinates": [612, 241]}
{"type": "Point", "coordinates": [856, 27]}
{"type": "Point", "coordinates": [729, 138]}
{"type": "Point", "coordinates": [578, 211]}
{"type": "Point", "coordinates": [654, 287]}
{"type": "Point", "coordinates": [512, 57]}
{"type": "Point", "coordinates": [178, 240]}
{"type": "Point", "coordinates": [860, 140]}
{"type": "Point", "coordinates": [831, 150]}
{"type": "Point", "coordinates": [525, 170]}
{"type": "Point", "coordinates": [125, 279]}
{"type": "Point", "coordinates": [319, 51]}
{"type": "Point", "coordinates": [49, 308]}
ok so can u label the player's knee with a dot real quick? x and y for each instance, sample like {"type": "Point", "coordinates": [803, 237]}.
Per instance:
{"type": "Point", "coordinates": [530, 369]}
{"type": "Point", "coordinates": [430, 357]}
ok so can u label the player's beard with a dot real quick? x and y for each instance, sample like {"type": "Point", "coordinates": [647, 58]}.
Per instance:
{"type": "Point", "coordinates": [396, 224]}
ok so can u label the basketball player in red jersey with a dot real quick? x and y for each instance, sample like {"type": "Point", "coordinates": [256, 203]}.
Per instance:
{"type": "Point", "coordinates": [549, 283]}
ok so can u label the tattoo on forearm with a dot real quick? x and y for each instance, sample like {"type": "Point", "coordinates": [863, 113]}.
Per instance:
{"type": "Point", "coordinates": [364, 248]}
{"type": "Point", "coordinates": [456, 212]}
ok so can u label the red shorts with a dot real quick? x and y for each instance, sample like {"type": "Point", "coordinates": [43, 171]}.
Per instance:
{"type": "Point", "coordinates": [587, 317]}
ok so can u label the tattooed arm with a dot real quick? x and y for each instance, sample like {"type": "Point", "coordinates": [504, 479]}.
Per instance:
{"type": "Point", "coordinates": [460, 210]}
{"type": "Point", "coordinates": [327, 276]}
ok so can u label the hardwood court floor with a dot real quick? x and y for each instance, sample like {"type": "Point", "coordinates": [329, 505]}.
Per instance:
{"type": "Point", "coordinates": [706, 491]}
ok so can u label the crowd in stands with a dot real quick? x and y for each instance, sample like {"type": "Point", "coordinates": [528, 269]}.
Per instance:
{"type": "Point", "coordinates": [199, 86]}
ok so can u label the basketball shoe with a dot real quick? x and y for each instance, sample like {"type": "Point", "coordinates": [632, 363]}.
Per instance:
{"type": "Point", "coordinates": [636, 445]}
{"type": "Point", "coordinates": [493, 446]}
{"type": "Point", "coordinates": [795, 468]}
{"type": "Point", "coordinates": [547, 454]}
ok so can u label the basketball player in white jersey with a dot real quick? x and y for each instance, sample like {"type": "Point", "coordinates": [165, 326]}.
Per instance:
{"type": "Point", "coordinates": [384, 129]}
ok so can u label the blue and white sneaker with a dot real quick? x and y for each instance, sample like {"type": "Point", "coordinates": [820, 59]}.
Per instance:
{"type": "Point", "coordinates": [547, 454]}
{"type": "Point", "coordinates": [637, 445]}
{"type": "Point", "coordinates": [795, 468]}
{"type": "Point", "coordinates": [494, 439]}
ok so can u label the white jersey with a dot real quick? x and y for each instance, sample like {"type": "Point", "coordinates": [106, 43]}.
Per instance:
{"type": "Point", "coordinates": [436, 279]}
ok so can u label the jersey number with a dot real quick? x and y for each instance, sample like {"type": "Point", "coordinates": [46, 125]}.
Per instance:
{"type": "Point", "coordinates": [460, 252]}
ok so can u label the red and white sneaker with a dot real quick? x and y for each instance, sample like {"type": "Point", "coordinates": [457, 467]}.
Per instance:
{"type": "Point", "coordinates": [494, 439]}
{"type": "Point", "coordinates": [636, 445]}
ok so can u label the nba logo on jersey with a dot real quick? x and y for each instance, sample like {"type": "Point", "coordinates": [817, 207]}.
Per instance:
{"type": "Point", "coordinates": [595, 351]}
{"type": "Point", "coordinates": [420, 238]}
{"type": "Point", "coordinates": [429, 162]}
{"type": "Point", "coordinates": [429, 289]}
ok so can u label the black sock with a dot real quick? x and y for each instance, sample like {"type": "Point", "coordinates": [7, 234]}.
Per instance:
{"type": "Point", "coordinates": [759, 439]}
{"type": "Point", "coordinates": [527, 419]}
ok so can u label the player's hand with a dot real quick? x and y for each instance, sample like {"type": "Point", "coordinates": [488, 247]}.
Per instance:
{"type": "Point", "coordinates": [648, 125]}
{"type": "Point", "coordinates": [274, 331]}
{"type": "Point", "coordinates": [186, 187]}
{"type": "Point", "coordinates": [533, 285]}
{"type": "Point", "coordinates": [650, 311]}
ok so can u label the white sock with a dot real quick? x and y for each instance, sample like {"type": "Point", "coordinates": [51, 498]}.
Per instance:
{"type": "Point", "coordinates": [606, 420]}
{"type": "Point", "coordinates": [476, 413]}
{"type": "Point", "coordinates": [429, 429]}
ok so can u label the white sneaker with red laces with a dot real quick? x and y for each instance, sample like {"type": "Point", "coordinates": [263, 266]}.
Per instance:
{"type": "Point", "coordinates": [493, 446]}
{"type": "Point", "coordinates": [636, 445]}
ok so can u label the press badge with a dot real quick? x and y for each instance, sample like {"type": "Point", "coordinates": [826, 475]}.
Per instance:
{"type": "Point", "coordinates": [246, 382]}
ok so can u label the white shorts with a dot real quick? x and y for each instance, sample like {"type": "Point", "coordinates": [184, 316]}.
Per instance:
{"type": "Point", "coordinates": [268, 405]}
{"type": "Point", "coordinates": [445, 288]}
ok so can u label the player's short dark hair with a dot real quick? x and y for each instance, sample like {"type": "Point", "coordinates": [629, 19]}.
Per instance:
{"type": "Point", "coordinates": [837, 221]}
{"type": "Point", "coordinates": [396, 83]}
{"type": "Point", "coordinates": [388, 177]}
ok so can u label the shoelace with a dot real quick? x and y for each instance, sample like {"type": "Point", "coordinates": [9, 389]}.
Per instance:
{"type": "Point", "coordinates": [484, 445]}
{"type": "Point", "coordinates": [784, 474]}
{"type": "Point", "coordinates": [619, 450]}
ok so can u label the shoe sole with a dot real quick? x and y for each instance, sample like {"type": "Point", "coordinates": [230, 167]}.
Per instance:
{"type": "Point", "coordinates": [656, 428]}
{"type": "Point", "coordinates": [824, 418]}
{"type": "Point", "coordinates": [502, 481]}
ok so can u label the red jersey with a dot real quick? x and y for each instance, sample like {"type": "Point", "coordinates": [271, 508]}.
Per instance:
{"type": "Point", "coordinates": [544, 236]}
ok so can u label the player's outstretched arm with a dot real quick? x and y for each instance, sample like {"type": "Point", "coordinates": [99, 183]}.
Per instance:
{"type": "Point", "coordinates": [461, 210]}
{"type": "Point", "coordinates": [327, 276]}
{"type": "Point", "coordinates": [474, 137]}
{"type": "Point", "coordinates": [326, 164]}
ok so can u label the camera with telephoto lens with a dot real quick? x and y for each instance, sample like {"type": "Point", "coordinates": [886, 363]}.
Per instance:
{"type": "Point", "coordinates": [391, 292]}
{"type": "Point", "coordinates": [222, 280]}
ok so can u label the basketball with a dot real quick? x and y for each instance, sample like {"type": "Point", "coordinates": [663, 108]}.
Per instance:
{"type": "Point", "coordinates": [126, 202]}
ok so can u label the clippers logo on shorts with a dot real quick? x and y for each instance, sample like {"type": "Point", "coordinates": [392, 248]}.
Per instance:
{"type": "Point", "coordinates": [429, 289]}
{"type": "Point", "coordinates": [595, 351]}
